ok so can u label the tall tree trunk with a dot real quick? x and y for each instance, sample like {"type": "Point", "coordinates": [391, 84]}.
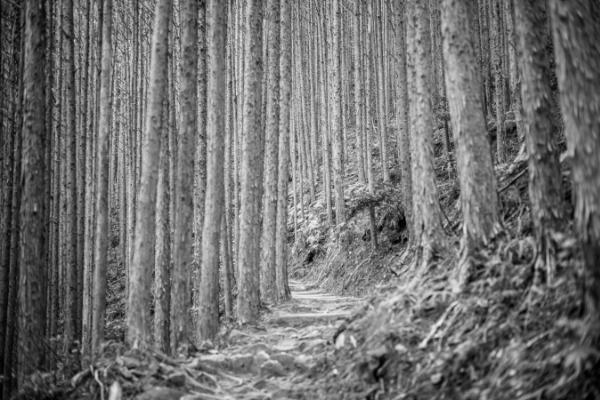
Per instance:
{"type": "Point", "coordinates": [34, 203]}
{"type": "Point", "coordinates": [216, 18]}
{"type": "Point", "coordinates": [359, 91]}
{"type": "Point", "coordinates": [267, 264]}
{"type": "Point", "coordinates": [325, 143]}
{"type": "Point", "coordinates": [184, 211]}
{"type": "Point", "coordinates": [162, 252]}
{"type": "Point", "coordinates": [10, 361]}
{"type": "Point", "coordinates": [200, 161]}
{"type": "Point", "coordinates": [497, 57]}
{"type": "Point", "coordinates": [426, 210]}
{"type": "Point", "coordinates": [336, 117]}
{"type": "Point", "coordinates": [101, 201]}
{"type": "Point", "coordinates": [285, 90]}
{"type": "Point", "coordinates": [404, 126]}
{"type": "Point", "coordinates": [479, 200]}
{"type": "Point", "coordinates": [138, 304]}
{"type": "Point", "coordinates": [251, 168]}
{"type": "Point", "coordinates": [86, 310]}
{"type": "Point", "coordinates": [369, 59]}
{"type": "Point", "coordinates": [545, 180]}
{"type": "Point", "coordinates": [70, 314]}
{"type": "Point", "coordinates": [575, 29]}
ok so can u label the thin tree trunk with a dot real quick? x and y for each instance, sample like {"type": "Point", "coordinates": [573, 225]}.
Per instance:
{"type": "Point", "coordinates": [382, 112]}
{"type": "Point", "coordinates": [285, 73]}
{"type": "Point", "coordinates": [497, 51]}
{"type": "Point", "coordinates": [138, 305]}
{"type": "Point", "coordinates": [70, 312]}
{"type": "Point", "coordinates": [359, 92]}
{"type": "Point", "coordinates": [184, 210]}
{"type": "Point", "coordinates": [216, 17]}
{"type": "Point", "coordinates": [404, 126]}
{"type": "Point", "coordinates": [33, 225]}
{"type": "Point", "coordinates": [267, 265]}
{"type": "Point", "coordinates": [200, 162]}
{"type": "Point", "coordinates": [101, 201]}
{"type": "Point", "coordinates": [251, 169]}
{"type": "Point", "coordinates": [336, 117]}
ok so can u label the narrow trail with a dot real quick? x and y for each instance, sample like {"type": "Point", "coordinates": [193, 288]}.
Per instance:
{"type": "Point", "coordinates": [276, 359]}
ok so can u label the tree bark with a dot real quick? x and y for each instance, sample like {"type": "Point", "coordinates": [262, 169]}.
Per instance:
{"type": "Point", "coordinates": [404, 124]}
{"type": "Point", "coordinates": [426, 210]}
{"type": "Point", "coordinates": [34, 203]}
{"type": "Point", "coordinates": [285, 90]}
{"type": "Point", "coordinates": [497, 57]}
{"type": "Point", "coordinates": [251, 168]}
{"type": "Point", "coordinates": [184, 211]}
{"type": "Point", "coordinates": [545, 180]}
{"type": "Point", "coordinates": [138, 304]}
{"type": "Point", "coordinates": [101, 201]}
{"type": "Point", "coordinates": [70, 311]}
{"type": "Point", "coordinates": [479, 200]}
{"type": "Point", "coordinates": [200, 161]}
{"type": "Point", "coordinates": [216, 17]}
{"type": "Point", "coordinates": [359, 92]}
{"type": "Point", "coordinates": [336, 117]}
{"type": "Point", "coordinates": [575, 30]}
{"type": "Point", "coordinates": [162, 252]}
{"type": "Point", "coordinates": [267, 265]}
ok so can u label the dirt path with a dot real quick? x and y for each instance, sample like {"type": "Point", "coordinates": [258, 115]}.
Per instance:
{"type": "Point", "coordinates": [276, 359]}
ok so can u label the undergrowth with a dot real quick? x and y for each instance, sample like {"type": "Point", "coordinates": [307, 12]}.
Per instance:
{"type": "Point", "coordinates": [502, 337]}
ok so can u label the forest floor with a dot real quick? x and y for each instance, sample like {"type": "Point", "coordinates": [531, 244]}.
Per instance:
{"type": "Point", "coordinates": [371, 323]}
{"type": "Point", "coordinates": [279, 358]}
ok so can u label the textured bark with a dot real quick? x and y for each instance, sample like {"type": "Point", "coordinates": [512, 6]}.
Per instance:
{"type": "Point", "coordinates": [184, 184]}
{"type": "Point", "coordinates": [70, 304]}
{"type": "Point", "coordinates": [200, 160]}
{"type": "Point", "coordinates": [208, 323]}
{"type": "Point", "coordinates": [479, 200]}
{"type": "Point", "coordinates": [285, 90]}
{"type": "Point", "coordinates": [251, 168]}
{"type": "Point", "coordinates": [325, 142]}
{"type": "Point", "coordinates": [497, 56]}
{"type": "Point", "coordinates": [484, 37]}
{"type": "Point", "coordinates": [511, 54]}
{"type": "Point", "coordinates": [314, 93]}
{"type": "Point", "coordinates": [34, 203]}
{"type": "Point", "coordinates": [162, 249]}
{"type": "Point", "coordinates": [101, 201]}
{"type": "Point", "coordinates": [57, 184]}
{"type": "Point", "coordinates": [336, 114]}
{"type": "Point", "coordinates": [359, 92]}
{"type": "Point", "coordinates": [403, 124]}
{"type": "Point", "coordinates": [227, 263]}
{"type": "Point", "coordinates": [133, 164]}
{"type": "Point", "coordinates": [476, 173]}
{"type": "Point", "coordinates": [10, 361]}
{"type": "Point", "coordinates": [369, 158]}
{"type": "Point", "coordinates": [138, 304]}
{"type": "Point", "coordinates": [426, 210]}
{"type": "Point", "coordinates": [86, 265]}
{"type": "Point", "coordinates": [575, 30]}
{"type": "Point", "coordinates": [545, 180]}
{"type": "Point", "coordinates": [382, 112]}
{"type": "Point", "coordinates": [7, 142]}
{"type": "Point", "coordinates": [83, 171]}
{"type": "Point", "coordinates": [267, 258]}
